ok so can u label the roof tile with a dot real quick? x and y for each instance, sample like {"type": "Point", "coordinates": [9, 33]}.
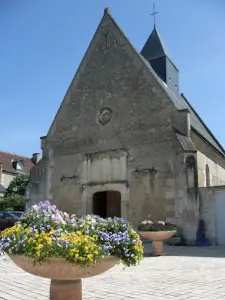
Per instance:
{"type": "Point", "coordinates": [7, 158]}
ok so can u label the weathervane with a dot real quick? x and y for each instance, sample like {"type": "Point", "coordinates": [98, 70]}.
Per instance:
{"type": "Point", "coordinates": [154, 13]}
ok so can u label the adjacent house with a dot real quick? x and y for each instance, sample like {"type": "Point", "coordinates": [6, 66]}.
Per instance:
{"type": "Point", "coordinates": [11, 165]}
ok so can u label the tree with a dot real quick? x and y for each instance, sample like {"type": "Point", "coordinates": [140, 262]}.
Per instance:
{"type": "Point", "coordinates": [18, 185]}
{"type": "Point", "coordinates": [12, 203]}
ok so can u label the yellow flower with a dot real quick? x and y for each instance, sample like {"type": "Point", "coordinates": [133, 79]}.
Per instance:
{"type": "Point", "coordinates": [30, 240]}
{"type": "Point", "coordinates": [90, 257]}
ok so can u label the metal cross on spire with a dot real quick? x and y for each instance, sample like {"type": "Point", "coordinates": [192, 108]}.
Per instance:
{"type": "Point", "coordinates": [154, 13]}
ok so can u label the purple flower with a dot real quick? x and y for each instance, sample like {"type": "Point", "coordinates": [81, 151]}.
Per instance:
{"type": "Point", "coordinates": [20, 243]}
{"type": "Point", "coordinates": [66, 243]}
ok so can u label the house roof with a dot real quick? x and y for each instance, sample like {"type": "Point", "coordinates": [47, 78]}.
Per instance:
{"type": "Point", "coordinates": [7, 159]}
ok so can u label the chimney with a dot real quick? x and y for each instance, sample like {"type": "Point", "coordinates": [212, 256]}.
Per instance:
{"type": "Point", "coordinates": [35, 158]}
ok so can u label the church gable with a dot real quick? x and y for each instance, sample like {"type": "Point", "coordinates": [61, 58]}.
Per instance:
{"type": "Point", "coordinates": [112, 97]}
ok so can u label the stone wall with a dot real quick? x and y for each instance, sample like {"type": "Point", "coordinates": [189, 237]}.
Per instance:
{"type": "Point", "coordinates": [6, 178]}
{"type": "Point", "coordinates": [186, 200]}
{"type": "Point", "coordinates": [143, 182]}
{"type": "Point", "coordinates": [216, 172]}
{"type": "Point", "coordinates": [210, 158]}
{"type": "Point", "coordinates": [207, 209]}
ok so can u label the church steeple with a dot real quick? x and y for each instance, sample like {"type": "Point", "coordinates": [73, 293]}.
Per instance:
{"type": "Point", "coordinates": [156, 53]}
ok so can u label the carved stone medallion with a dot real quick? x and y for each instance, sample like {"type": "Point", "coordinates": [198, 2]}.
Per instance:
{"type": "Point", "coordinates": [105, 116]}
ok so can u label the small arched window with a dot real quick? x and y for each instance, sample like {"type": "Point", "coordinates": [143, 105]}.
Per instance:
{"type": "Point", "coordinates": [191, 172]}
{"type": "Point", "coordinates": [207, 175]}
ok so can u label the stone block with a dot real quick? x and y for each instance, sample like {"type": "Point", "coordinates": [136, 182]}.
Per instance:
{"type": "Point", "coordinates": [170, 195]}
{"type": "Point", "coordinates": [169, 182]}
{"type": "Point", "coordinates": [170, 208]}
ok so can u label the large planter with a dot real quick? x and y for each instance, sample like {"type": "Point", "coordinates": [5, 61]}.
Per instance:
{"type": "Point", "coordinates": [157, 238]}
{"type": "Point", "coordinates": [65, 277]}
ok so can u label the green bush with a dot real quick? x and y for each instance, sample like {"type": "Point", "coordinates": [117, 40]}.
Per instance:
{"type": "Point", "coordinates": [17, 185]}
{"type": "Point", "coordinates": [13, 202]}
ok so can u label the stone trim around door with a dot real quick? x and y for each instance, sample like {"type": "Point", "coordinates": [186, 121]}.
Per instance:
{"type": "Point", "coordinates": [89, 191]}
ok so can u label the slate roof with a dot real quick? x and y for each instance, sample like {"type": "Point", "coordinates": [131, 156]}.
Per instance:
{"type": "Point", "coordinates": [186, 143]}
{"type": "Point", "coordinates": [7, 158]}
{"type": "Point", "coordinates": [154, 47]}
{"type": "Point", "coordinates": [197, 124]}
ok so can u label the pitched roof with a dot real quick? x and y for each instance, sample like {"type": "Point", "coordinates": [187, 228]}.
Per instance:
{"type": "Point", "coordinates": [7, 158]}
{"type": "Point", "coordinates": [154, 47]}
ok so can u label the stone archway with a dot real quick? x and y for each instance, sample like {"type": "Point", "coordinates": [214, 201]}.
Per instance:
{"type": "Point", "coordinates": [107, 204]}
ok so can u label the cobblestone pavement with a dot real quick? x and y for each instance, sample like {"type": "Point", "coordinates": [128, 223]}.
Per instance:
{"type": "Point", "coordinates": [186, 273]}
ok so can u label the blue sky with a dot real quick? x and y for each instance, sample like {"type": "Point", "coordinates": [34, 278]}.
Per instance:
{"type": "Point", "coordinates": [43, 42]}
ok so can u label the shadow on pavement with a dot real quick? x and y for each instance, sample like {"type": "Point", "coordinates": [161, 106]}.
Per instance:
{"type": "Point", "coordinates": [191, 251]}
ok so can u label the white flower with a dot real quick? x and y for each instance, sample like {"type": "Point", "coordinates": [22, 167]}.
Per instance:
{"type": "Point", "coordinates": [146, 222]}
{"type": "Point", "coordinates": [161, 222]}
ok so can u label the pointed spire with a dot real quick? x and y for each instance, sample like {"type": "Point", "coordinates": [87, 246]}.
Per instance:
{"type": "Point", "coordinates": [154, 47]}
{"type": "Point", "coordinates": [107, 11]}
{"type": "Point", "coordinates": [155, 52]}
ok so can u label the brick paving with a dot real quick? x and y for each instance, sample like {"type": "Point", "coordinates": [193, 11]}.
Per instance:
{"type": "Point", "coordinates": [186, 273]}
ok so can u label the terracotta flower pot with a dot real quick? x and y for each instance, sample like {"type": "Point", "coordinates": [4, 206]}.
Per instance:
{"type": "Point", "coordinates": [157, 238]}
{"type": "Point", "coordinates": [65, 277]}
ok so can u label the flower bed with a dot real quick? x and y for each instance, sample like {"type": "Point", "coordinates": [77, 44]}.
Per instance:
{"type": "Point", "coordinates": [155, 226]}
{"type": "Point", "coordinates": [46, 232]}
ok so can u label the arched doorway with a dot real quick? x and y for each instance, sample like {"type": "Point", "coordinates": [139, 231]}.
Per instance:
{"type": "Point", "coordinates": [107, 204]}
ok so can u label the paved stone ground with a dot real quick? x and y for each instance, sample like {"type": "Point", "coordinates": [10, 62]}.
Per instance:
{"type": "Point", "coordinates": [186, 273]}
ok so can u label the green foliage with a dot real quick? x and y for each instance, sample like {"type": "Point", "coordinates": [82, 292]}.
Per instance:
{"type": "Point", "coordinates": [13, 202]}
{"type": "Point", "coordinates": [18, 185]}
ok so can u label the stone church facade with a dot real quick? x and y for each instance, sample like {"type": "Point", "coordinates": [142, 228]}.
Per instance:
{"type": "Point", "coordinates": [124, 141]}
